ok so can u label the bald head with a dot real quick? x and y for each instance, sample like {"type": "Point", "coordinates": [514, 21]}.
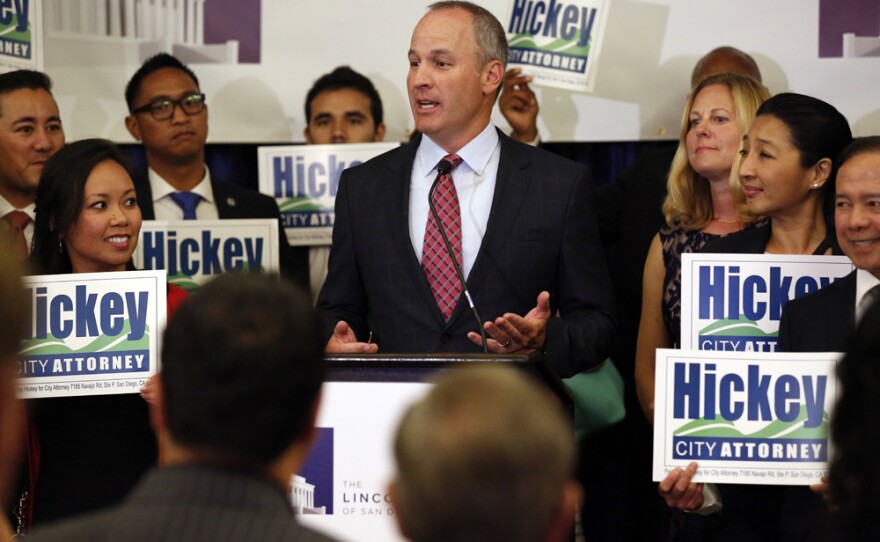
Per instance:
{"type": "Point", "coordinates": [725, 60]}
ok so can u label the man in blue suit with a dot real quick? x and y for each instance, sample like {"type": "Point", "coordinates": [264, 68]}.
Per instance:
{"type": "Point", "coordinates": [521, 224]}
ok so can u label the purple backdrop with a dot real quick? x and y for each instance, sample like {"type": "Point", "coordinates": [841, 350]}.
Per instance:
{"type": "Point", "coordinates": [235, 20]}
{"type": "Point", "coordinates": [837, 17]}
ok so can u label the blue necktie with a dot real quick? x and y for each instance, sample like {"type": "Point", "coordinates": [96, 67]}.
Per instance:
{"type": "Point", "coordinates": [188, 202]}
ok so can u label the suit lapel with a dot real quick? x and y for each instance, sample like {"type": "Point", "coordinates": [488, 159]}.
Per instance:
{"type": "Point", "coordinates": [511, 186]}
{"type": "Point", "coordinates": [224, 201]}
{"type": "Point", "coordinates": [144, 193]}
{"type": "Point", "coordinates": [400, 179]}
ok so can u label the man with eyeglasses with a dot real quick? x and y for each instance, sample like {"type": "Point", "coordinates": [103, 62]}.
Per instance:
{"type": "Point", "coordinates": [168, 114]}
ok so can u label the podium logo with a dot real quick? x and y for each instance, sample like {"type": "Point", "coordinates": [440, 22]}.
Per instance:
{"type": "Point", "coordinates": [312, 487]}
{"type": "Point", "coordinates": [793, 408]}
{"type": "Point", "coordinates": [551, 34]}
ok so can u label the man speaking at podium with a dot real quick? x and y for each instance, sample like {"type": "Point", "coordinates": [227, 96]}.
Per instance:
{"type": "Point", "coordinates": [517, 220]}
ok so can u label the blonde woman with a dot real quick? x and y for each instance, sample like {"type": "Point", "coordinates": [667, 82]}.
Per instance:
{"type": "Point", "coordinates": [702, 204]}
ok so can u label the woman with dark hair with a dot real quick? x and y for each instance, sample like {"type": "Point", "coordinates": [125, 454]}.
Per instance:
{"type": "Point", "coordinates": [855, 472]}
{"type": "Point", "coordinates": [86, 452]}
{"type": "Point", "coordinates": [787, 174]}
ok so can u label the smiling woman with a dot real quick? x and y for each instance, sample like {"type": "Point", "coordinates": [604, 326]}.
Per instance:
{"type": "Point", "coordinates": [86, 452]}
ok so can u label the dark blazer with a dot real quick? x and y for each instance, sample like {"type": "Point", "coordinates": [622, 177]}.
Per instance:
{"type": "Point", "coordinates": [541, 235]}
{"type": "Point", "coordinates": [234, 201]}
{"type": "Point", "coordinates": [821, 321]}
{"type": "Point", "coordinates": [190, 504]}
{"type": "Point", "coordinates": [754, 239]}
{"type": "Point", "coordinates": [630, 212]}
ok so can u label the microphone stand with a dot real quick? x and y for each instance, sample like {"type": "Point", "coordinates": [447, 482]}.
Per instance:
{"type": "Point", "coordinates": [443, 168]}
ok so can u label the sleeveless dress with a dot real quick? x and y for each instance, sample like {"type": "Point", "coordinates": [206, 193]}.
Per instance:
{"type": "Point", "coordinates": [676, 242]}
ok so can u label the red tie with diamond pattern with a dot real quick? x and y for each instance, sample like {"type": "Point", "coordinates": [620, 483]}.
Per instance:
{"type": "Point", "coordinates": [435, 259]}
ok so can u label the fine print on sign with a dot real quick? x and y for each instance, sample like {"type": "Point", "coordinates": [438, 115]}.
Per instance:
{"type": "Point", "coordinates": [745, 418]}
{"type": "Point", "coordinates": [92, 333]}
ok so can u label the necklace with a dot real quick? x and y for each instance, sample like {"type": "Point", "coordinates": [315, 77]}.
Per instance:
{"type": "Point", "coordinates": [719, 219]}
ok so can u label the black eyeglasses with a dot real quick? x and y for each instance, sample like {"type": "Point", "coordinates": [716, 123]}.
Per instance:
{"type": "Point", "coordinates": [192, 104]}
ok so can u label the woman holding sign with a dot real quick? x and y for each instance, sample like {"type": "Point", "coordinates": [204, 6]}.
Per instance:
{"type": "Point", "coordinates": [786, 173]}
{"type": "Point", "coordinates": [86, 452]}
{"type": "Point", "coordinates": [701, 205]}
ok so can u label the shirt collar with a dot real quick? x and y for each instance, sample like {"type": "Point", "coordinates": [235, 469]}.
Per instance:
{"type": "Point", "coordinates": [162, 188]}
{"type": "Point", "coordinates": [865, 280]}
{"type": "Point", "coordinates": [476, 153]}
{"type": "Point", "coordinates": [6, 208]}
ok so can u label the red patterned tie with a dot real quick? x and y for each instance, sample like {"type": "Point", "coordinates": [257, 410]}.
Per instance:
{"type": "Point", "coordinates": [18, 221]}
{"type": "Point", "coordinates": [435, 259]}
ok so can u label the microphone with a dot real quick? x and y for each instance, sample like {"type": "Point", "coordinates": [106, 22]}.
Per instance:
{"type": "Point", "coordinates": [443, 168]}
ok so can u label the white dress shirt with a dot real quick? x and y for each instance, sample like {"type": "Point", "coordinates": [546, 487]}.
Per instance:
{"type": "Point", "coordinates": [474, 180]}
{"type": "Point", "coordinates": [166, 209]}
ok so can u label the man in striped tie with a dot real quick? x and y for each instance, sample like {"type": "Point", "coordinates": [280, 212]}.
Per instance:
{"type": "Point", "coordinates": [520, 246]}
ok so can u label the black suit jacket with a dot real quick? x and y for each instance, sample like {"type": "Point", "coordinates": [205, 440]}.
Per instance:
{"type": "Point", "coordinates": [630, 212]}
{"type": "Point", "coordinates": [821, 321]}
{"type": "Point", "coordinates": [190, 504]}
{"type": "Point", "coordinates": [541, 235]}
{"type": "Point", "coordinates": [234, 202]}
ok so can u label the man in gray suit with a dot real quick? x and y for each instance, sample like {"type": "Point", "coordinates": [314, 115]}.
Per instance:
{"type": "Point", "coordinates": [242, 372]}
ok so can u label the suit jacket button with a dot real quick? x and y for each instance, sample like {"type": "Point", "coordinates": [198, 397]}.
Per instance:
{"type": "Point", "coordinates": [446, 338]}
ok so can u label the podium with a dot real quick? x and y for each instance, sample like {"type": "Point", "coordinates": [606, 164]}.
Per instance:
{"type": "Point", "coordinates": [342, 489]}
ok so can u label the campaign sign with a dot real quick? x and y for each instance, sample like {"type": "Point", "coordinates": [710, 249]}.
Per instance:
{"type": "Point", "coordinates": [304, 179]}
{"type": "Point", "coordinates": [557, 42]}
{"type": "Point", "coordinates": [192, 251]}
{"type": "Point", "coordinates": [21, 35]}
{"type": "Point", "coordinates": [92, 333]}
{"type": "Point", "coordinates": [756, 418]}
{"type": "Point", "coordinates": [733, 302]}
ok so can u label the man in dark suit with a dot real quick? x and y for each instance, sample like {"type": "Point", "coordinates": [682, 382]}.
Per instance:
{"type": "Point", "coordinates": [242, 370]}
{"type": "Point", "coordinates": [518, 220]}
{"type": "Point", "coordinates": [169, 115]}
{"type": "Point", "coordinates": [823, 321]}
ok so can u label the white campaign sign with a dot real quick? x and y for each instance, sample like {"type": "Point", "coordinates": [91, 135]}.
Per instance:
{"type": "Point", "coordinates": [745, 418]}
{"type": "Point", "coordinates": [304, 180]}
{"type": "Point", "coordinates": [557, 42]}
{"type": "Point", "coordinates": [192, 251]}
{"type": "Point", "coordinates": [733, 302]}
{"type": "Point", "coordinates": [92, 333]}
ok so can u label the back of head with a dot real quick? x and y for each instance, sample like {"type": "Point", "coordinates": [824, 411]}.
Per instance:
{"type": "Point", "coordinates": [19, 79]}
{"type": "Point", "coordinates": [484, 457]}
{"type": "Point", "coordinates": [60, 198]}
{"type": "Point", "coordinates": [855, 473]}
{"type": "Point", "coordinates": [688, 202]}
{"type": "Point", "coordinates": [344, 77]}
{"type": "Point", "coordinates": [725, 59]}
{"type": "Point", "coordinates": [490, 36]}
{"type": "Point", "coordinates": [818, 130]}
{"type": "Point", "coordinates": [150, 66]}
{"type": "Point", "coordinates": [242, 366]}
